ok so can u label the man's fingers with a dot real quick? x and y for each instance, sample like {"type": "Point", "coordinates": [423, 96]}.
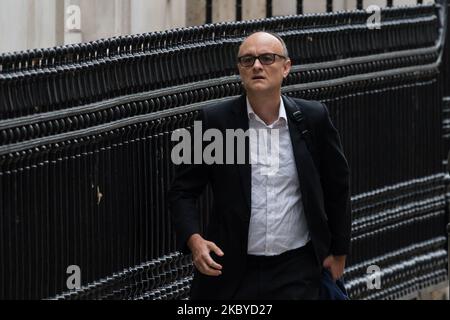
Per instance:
{"type": "Point", "coordinates": [203, 261]}
{"type": "Point", "coordinates": [207, 270]}
{"type": "Point", "coordinates": [213, 272]}
{"type": "Point", "coordinates": [336, 273]}
{"type": "Point", "coordinates": [327, 264]}
{"type": "Point", "coordinates": [209, 263]}
{"type": "Point", "coordinates": [207, 266]}
{"type": "Point", "coordinates": [335, 276]}
{"type": "Point", "coordinates": [215, 249]}
{"type": "Point", "coordinates": [212, 264]}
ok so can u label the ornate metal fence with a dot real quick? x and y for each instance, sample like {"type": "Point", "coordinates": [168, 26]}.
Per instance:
{"type": "Point", "coordinates": [85, 149]}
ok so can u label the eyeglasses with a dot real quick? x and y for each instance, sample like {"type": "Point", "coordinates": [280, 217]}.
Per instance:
{"type": "Point", "coordinates": [265, 59]}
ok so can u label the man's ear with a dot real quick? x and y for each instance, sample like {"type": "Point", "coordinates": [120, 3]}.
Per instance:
{"type": "Point", "coordinates": [287, 67]}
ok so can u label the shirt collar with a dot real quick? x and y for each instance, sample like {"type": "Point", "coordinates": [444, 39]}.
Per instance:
{"type": "Point", "coordinates": [281, 113]}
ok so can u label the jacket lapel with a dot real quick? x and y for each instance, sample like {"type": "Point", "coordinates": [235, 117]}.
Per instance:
{"type": "Point", "coordinates": [306, 170]}
{"type": "Point", "coordinates": [240, 121]}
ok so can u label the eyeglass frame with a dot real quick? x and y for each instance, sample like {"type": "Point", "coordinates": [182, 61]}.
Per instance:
{"type": "Point", "coordinates": [258, 58]}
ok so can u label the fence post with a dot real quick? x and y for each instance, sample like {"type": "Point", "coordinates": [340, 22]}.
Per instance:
{"type": "Point", "coordinates": [269, 8]}
{"type": "Point", "coordinates": [209, 8]}
{"type": "Point", "coordinates": [359, 4]}
{"type": "Point", "coordinates": [238, 10]}
{"type": "Point", "coordinates": [448, 258]}
{"type": "Point", "coordinates": [329, 5]}
{"type": "Point", "coordinates": [447, 210]}
{"type": "Point", "coordinates": [299, 6]}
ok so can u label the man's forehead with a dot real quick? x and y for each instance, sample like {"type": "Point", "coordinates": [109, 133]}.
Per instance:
{"type": "Point", "coordinates": [261, 40]}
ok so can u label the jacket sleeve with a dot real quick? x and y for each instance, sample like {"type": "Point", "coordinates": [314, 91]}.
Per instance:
{"type": "Point", "coordinates": [335, 179]}
{"type": "Point", "coordinates": [188, 184]}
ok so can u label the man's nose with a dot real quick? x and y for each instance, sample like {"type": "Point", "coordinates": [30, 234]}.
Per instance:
{"type": "Point", "coordinates": [257, 65]}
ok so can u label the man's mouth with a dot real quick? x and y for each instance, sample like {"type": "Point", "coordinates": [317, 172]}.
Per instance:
{"type": "Point", "coordinates": [258, 78]}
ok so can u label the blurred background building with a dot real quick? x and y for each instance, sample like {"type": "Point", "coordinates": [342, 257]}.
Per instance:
{"type": "Point", "coordinates": [26, 24]}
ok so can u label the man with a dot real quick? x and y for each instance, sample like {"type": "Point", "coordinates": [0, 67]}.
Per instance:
{"type": "Point", "coordinates": [269, 235]}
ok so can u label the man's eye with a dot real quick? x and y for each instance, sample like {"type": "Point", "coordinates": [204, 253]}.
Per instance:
{"type": "Point", "coordinates": [247, 59]}
{"type": "Point", "coordinates": [266, 58]}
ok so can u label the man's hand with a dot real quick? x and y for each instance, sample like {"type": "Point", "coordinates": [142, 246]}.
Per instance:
{"type": "Point", "coordinates": [336, 265]}
{"type": "Point", "coordinates": [200, 249]}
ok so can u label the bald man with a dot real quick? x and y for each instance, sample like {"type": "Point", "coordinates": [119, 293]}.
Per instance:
{"type": "Point", "coordinates": [270, 234]}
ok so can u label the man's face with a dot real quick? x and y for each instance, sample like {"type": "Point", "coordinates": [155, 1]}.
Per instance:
{"type": "Point", "coordinates": [263, 78]}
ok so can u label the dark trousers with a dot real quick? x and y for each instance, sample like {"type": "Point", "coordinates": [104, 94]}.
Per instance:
{"type": "Point", "coordinates": [293, 275]}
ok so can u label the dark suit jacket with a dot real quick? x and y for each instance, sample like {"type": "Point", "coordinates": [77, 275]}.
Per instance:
{"type": "Point", "coordinates": [324, 182]}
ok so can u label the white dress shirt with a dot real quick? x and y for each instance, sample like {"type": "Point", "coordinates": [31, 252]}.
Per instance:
{"type": "Point", "coordinates": [277, 222]}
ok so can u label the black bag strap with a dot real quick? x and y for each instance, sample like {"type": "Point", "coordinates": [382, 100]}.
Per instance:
{"type": "Point", "coordinates": [301, 123]}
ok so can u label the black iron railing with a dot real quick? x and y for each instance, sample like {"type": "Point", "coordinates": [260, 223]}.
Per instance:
{"type": "Point", "coordinates": [85, 149]}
